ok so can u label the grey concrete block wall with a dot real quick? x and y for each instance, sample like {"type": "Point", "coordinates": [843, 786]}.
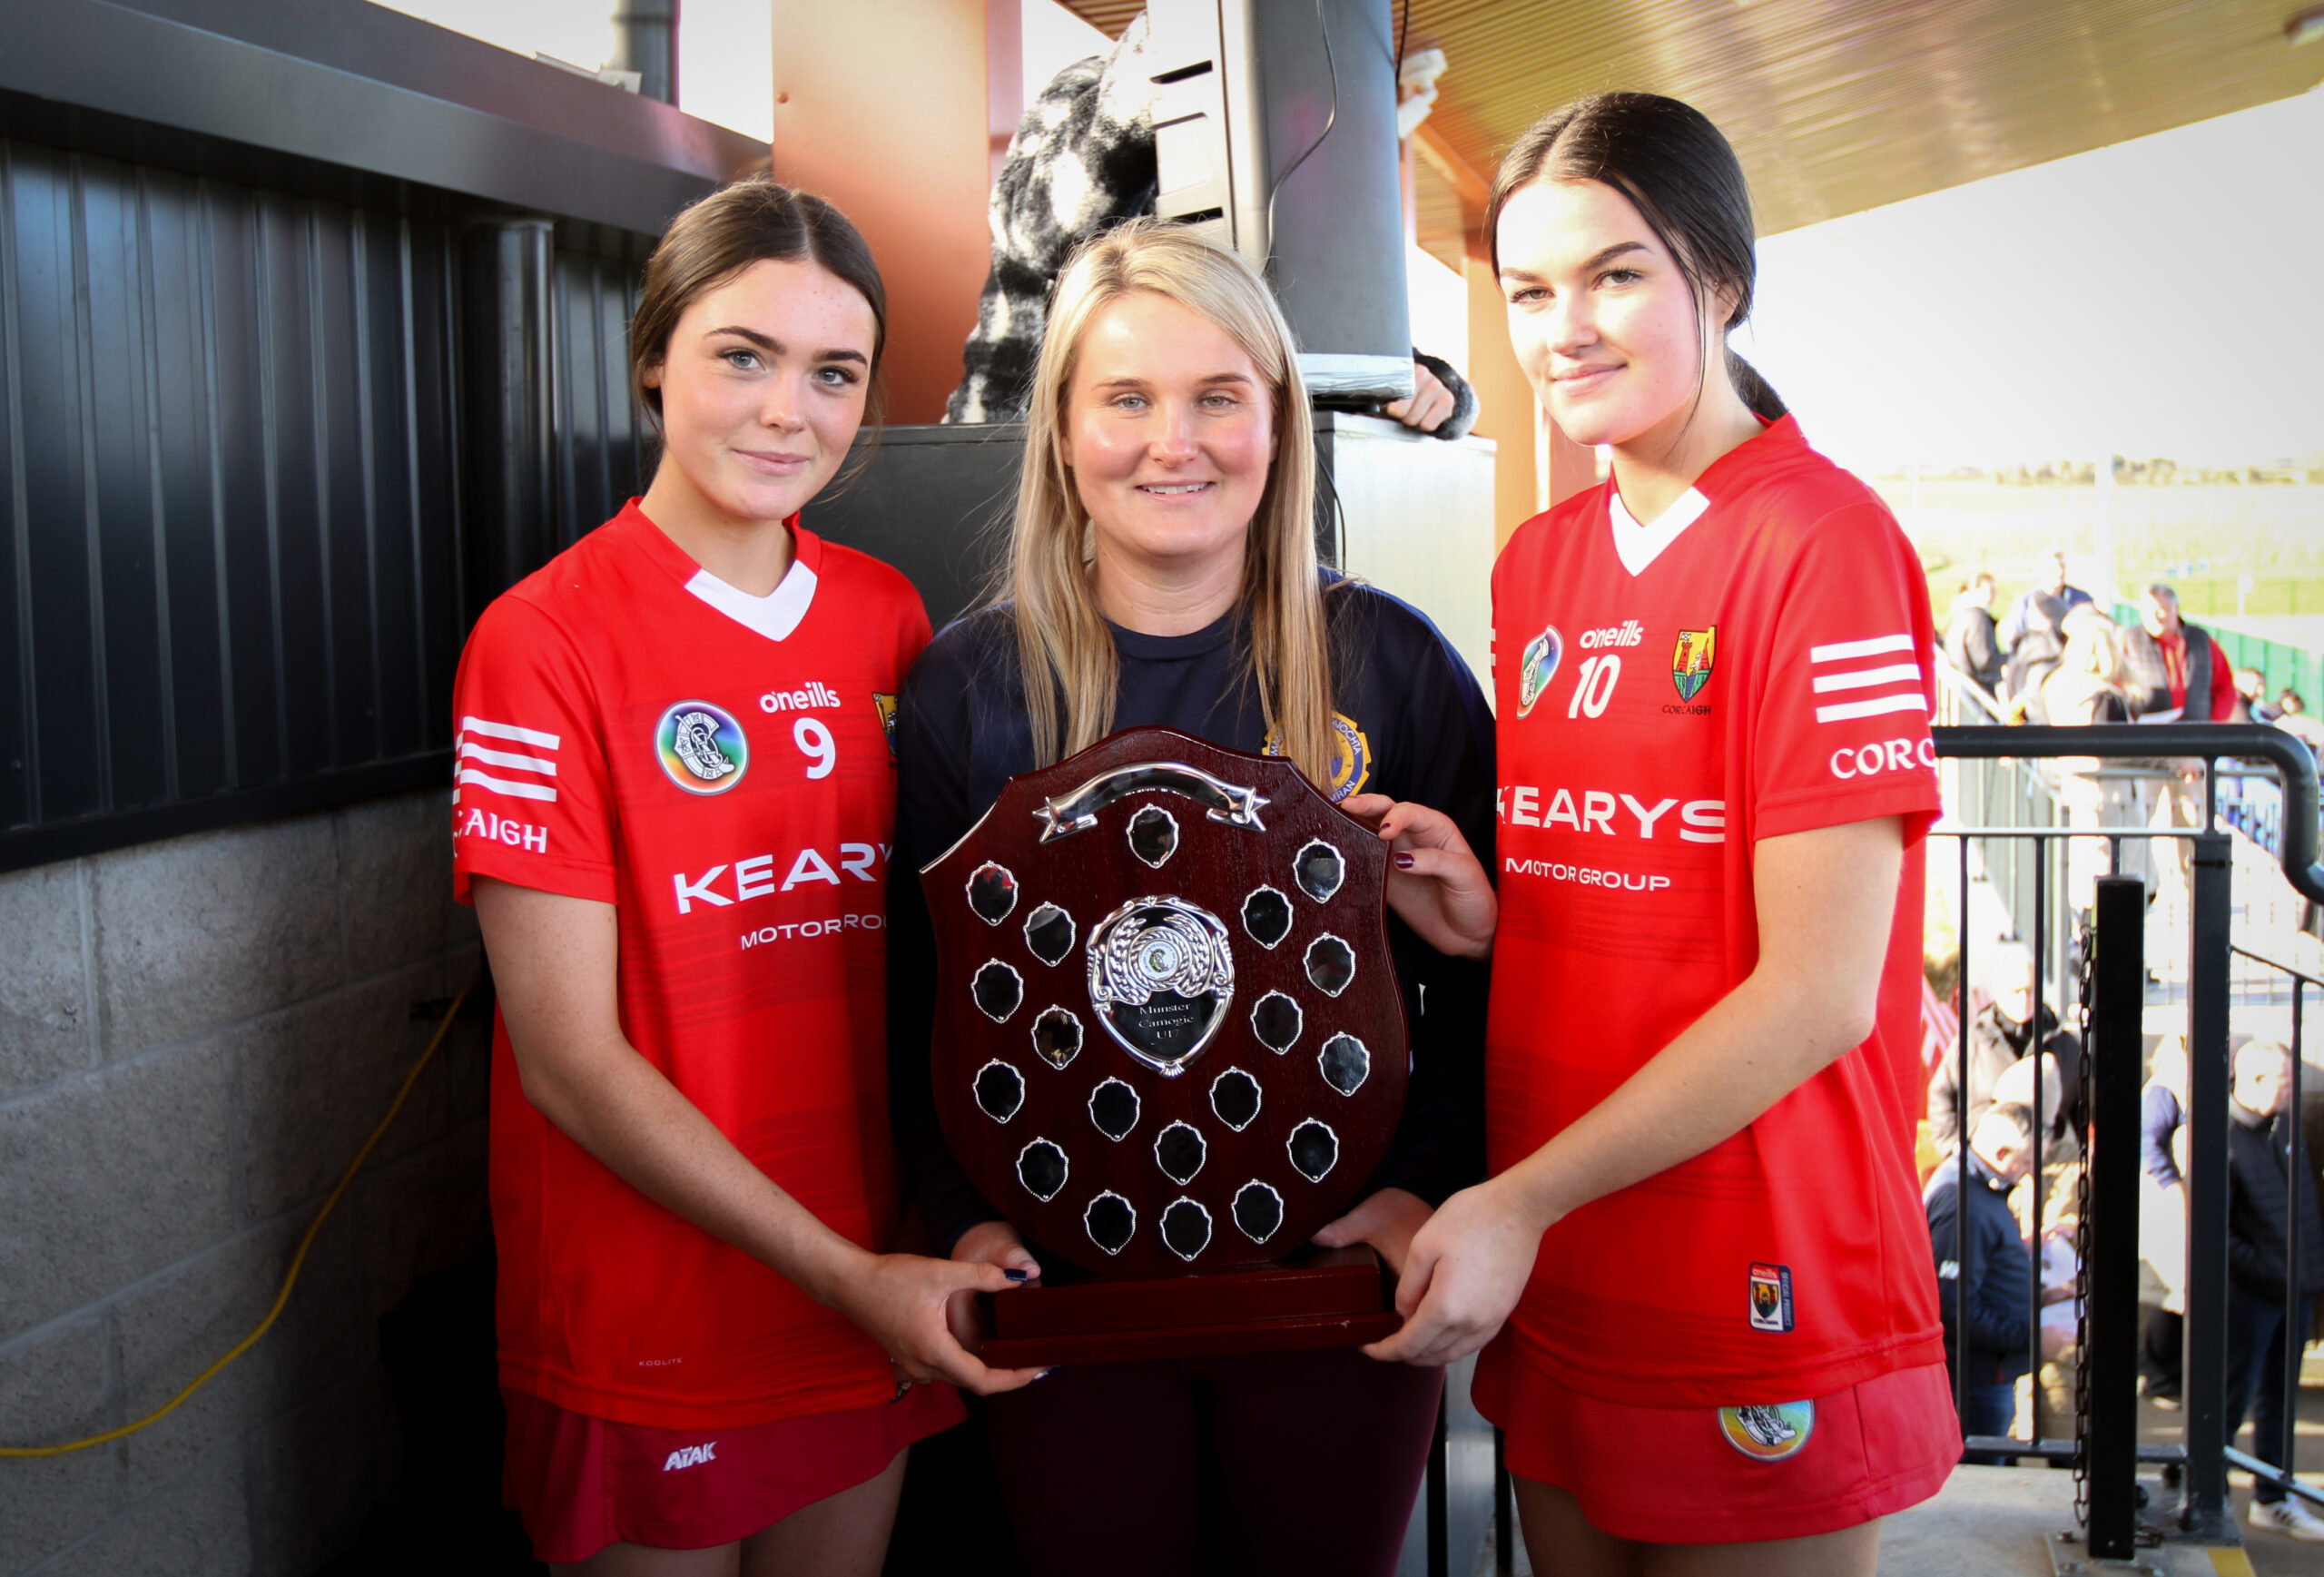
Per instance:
{"type": "Point", "coordinates": [196, 1038]}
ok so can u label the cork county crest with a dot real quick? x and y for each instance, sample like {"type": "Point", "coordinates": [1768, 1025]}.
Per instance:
{"type": "Point", "coordinates": [1690, 661]}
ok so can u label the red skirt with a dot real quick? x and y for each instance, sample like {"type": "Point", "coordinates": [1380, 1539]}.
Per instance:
{"type": "Point", "coordinates": [581, 1483]}
{"type": "Point", "coordinates": [1726, 1475]}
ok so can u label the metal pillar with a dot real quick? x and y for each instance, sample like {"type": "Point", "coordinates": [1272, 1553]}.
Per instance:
{"type": "Point", "coordinates": [2207, 1514]}
{"type": "Point", "coordinates": [2109, 1424]}
{"type": "Point", "coordinates": [507, 406]}
{"type": "Point", "coordinates": [646, 41]}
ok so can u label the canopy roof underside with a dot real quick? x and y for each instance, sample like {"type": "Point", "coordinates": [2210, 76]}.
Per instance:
{"type": "Point", "coordinates": [1837, 107]}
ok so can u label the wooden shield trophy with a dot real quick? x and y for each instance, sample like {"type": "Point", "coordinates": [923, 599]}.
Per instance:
{"type": "Point", "coordinates": [1169, 1047]}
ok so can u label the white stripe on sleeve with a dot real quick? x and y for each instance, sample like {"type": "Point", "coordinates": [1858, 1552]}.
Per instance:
{"type": "Point", "coordinates": [1840, 651]}
{"type": "Point", "coordinates": [509, 731]}
{"type": "Point", "coordinates": [1843, 711]}
{"type": "Point", "coordinates": [525, 763]}
{"type": "Point", "coordinates": [521, 791]}
{"type": "Point", "coordinates": [1865, 678]}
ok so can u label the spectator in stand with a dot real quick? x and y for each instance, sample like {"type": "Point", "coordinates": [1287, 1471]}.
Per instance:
{"type": "Point", "coordinates": [2162, 1220]}
{"type": "Point", "coordinates": [2086, 686]}
{"type": "Point", "coordinates": [1984, 1276]}
{"type": "Point", "coordinates": [2253, 685]}
{"type": "Point", "coordinates": [2089, 685]}
{"type": "Point", "coordinates": [2185, 677]}
{"type": "Point", "coordinates": [2193, 665]}
{"type": "Point", "coordinates": [2265, 1204]}
{"type": "Point", "coordinates": [2291, 717]}
{"type": "Point", "coordinates": [2042, 608]}
{"type": "Point", "coordinates": [1969, 639]}
{"type": "Point", "coordinates": [1999, 1038]}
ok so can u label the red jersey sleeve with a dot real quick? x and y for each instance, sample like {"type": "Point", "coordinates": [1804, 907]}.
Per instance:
{"type": "Point", "coordinates": [531, 802]}
{"type": "Point", "coordinates": [2223, 694]}
{"type": "Point", "coordinates": [1846, 695]}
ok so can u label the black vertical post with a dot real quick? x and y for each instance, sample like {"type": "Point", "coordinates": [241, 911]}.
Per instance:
{"type": "Point", "coordinates": [1439, 1537]}
{"type": "Point", "coordinates": [507, 405]}
{"type": "Point", "coordinates": [2036, 1409]}
{"type": "Point", "coordinates": [2205, 1384]}
{"type": "Point", "coordinates": [1504, 1510]}
{"type": "Point", "coordinates": [1961, 1148]}
{"type": "Point", "coordinates": [2109, 1433]}
{"type": "Point", "coordinates": [2296, 1310]}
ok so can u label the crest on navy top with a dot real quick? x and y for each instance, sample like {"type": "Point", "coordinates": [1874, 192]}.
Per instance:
{"type": "Point", "coordinates": [1351, 762]}
{"type": "Point", "coordinates": [1167, 1033]}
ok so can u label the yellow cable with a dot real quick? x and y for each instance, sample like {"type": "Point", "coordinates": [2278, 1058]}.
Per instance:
{"type": "Point", "coordinates": [298, 1261]}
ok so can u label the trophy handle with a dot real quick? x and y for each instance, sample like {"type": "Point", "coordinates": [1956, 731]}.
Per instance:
{"type": "Point", "coordinates": [1062, 815]}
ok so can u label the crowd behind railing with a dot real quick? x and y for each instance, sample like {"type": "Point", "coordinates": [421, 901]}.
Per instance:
{"type": "Point", "coordinates": [2006, 1126]}
{"type": "Point", "coordinates": [2056, 656]}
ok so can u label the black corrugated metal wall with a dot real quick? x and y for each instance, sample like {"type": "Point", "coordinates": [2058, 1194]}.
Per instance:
{"type": "Point", "coordinates": [230, 469]}
{"type": "Point", "coordinates": [598, 440]}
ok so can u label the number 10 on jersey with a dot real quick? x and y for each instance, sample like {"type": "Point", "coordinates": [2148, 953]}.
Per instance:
{"type": "Point", "coordinates": [1593, 685]}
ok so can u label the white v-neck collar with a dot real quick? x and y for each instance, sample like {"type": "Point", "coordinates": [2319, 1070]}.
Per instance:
{"type": "Point", "coordinates": [1640, 546]}
{"type": "Point", "coordinates": [773, 616]}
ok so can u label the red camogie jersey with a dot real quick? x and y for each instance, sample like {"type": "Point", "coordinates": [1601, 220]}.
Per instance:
{"type": "Point", "coordinates": [1754, 663]}
{"type": "Point", "coordinates": [716, 766]}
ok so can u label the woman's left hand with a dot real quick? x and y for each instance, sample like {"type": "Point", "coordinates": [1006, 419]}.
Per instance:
{"type": "Point", "coordinates": [1386, 1220]}
{"type": "Point", "coordinates": [1465, 1270]}
{"type": "Point", "coordinates": [1435, 883]}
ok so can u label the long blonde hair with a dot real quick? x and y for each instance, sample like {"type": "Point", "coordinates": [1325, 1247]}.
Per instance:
{"type": "Point", "coordinates": [1062, 640]}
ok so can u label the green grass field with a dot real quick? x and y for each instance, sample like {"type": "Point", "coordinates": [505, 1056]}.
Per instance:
{"type": "Point", "coordinates": [2201, 539]}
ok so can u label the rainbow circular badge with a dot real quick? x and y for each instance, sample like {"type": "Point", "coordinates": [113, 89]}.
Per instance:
{"type": "Point", "coordinates": [702, 747]}
{"type": "Point", "coordinates": [1769, 1433]}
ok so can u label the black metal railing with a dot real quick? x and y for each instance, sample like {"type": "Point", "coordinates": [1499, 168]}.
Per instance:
{"type": "Point", "coordinates": [2009, 804]}
{"type": "Point", "coordinates": [2105, 1449]}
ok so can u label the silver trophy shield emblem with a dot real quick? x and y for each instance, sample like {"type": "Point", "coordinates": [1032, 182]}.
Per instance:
{"type": "Point", "coordinates": [1161, 975]}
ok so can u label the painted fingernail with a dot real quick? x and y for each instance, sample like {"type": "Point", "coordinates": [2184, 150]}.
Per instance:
{"type": "Point", "coordinates": [1018, 1274]}
{"type": "Point", "coordinates": [1404, 862]}
{"type": "Point", "coordinates": [1052, 1369]}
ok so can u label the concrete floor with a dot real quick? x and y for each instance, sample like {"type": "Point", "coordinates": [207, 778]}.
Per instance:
{"type": "Point", "coordinates": [1998, 1522]}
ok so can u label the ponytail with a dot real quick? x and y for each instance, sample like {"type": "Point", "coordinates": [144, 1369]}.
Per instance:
{"type": "Point", "coordinates": [1757, 391]}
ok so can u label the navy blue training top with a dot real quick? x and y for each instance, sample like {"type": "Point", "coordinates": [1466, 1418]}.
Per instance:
{"type": "Point", "coordinates": [1413, 724]}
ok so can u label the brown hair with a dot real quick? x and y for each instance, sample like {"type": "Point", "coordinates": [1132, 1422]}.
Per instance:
{"type": "Point", "coordinates": [753, 221]}
{"type": "Point", "coordinates": [1680, 175]}
{"type": "Point", "coordinates": [1060, 631]}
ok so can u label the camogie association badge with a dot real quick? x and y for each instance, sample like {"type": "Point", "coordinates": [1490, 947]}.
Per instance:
{"type": "Point", "coordinates": [1538, 667]}
{"type": "Point", "coordinates": [702, 747]}
{"type": "Point", "coordinates": [1167, 1033]}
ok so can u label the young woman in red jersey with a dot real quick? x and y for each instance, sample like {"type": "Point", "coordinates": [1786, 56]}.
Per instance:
{"type": "Point", "coordinates": [675, 791]}
{"type": "Point", "coordinates": [1699, 1264]}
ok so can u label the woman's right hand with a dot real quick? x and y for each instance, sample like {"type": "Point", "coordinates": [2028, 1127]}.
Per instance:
{"type": "Point", "coordinates": [1463, 1274]}
{"type": "Point", "coordinates": [905, 1302]}
{"type": "Point", "coordinates": [1435, 883]}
